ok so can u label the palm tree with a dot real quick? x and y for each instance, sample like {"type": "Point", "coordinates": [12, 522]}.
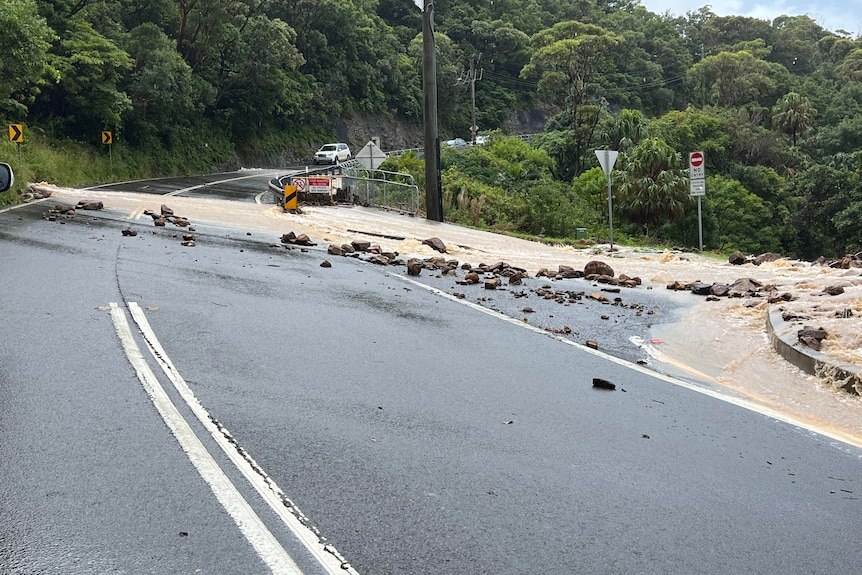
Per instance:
{"type": "Point", "coordinates": [653, 184]}
{"type": "Point", "coordinates": [793, 114]}
{"type": "Point", "coordinates": [625, 130]}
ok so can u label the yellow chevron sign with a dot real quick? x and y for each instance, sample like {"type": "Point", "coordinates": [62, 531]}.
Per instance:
{"type": "Point", "coordinates": [16, 133]}
{"type": "Point", "coordinates": [107, 138]}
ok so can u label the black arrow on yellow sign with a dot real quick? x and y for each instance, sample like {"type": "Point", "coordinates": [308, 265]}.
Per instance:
{"type": "Point", "coordinates": [16, 133]}
{"type": "Point", "coordinates": [107, 138]}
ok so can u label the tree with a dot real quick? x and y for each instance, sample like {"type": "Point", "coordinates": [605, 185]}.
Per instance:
{"type": "Point", "coordinates": [742, 218]}
{"type": "Point", "coordinates": [566, 60]}
{"type": "Point", "coordinates": [624, 130]}
{"type": "Point", "coordinates": [652, 184]}
{"type": "Point", "coordinates": [732, 78]}
{"type": "Point", "coordinates": [88, 97]}
{"type": "Point", "coordinates": [825, 196]}
{"type": "Point", "coordinates": [161, 86]}
{"type": "Point", "coordinates": [25, 39]}
{"type": "Point", "coordinates": [793, 115]}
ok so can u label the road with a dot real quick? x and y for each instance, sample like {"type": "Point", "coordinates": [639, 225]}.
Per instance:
{"type": "Point", "coordinates": [411, 431]}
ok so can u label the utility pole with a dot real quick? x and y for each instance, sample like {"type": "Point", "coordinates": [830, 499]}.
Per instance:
{"type": "Point", "coordinates": [471, 76]}
{"type": "Point", "coordinates": [433, 187]}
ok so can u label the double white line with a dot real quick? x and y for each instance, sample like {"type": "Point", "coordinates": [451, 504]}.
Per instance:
{"type": "Point", "coordinates": [271, 552]}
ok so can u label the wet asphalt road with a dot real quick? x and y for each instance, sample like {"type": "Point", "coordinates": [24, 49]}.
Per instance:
{"type": "Point", "coordinates": [417, 434]}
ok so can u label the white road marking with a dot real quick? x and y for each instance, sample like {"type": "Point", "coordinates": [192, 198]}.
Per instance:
{"type": "Point", "coordinates": [191, 188]}
{"type": "Point", "coordinates": [716, 394]}
{"type": "Point", "coordinates": [293, 518]}
{"type": "Point", "coordinates": [252, 527]}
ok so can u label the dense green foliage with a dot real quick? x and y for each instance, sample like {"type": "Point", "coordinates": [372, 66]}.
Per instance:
{"type": "Point", "coordinates": [186, 85]}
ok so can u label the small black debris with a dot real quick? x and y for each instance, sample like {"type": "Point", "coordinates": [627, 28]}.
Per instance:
{"type": "Point", "coordinates": [603, 383]}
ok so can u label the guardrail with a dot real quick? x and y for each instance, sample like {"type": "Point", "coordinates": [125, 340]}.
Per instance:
{"type": "Point", "coordinates": [380, 188]}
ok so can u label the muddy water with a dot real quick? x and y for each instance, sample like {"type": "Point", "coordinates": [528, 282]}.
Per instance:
{"type": "Point", "coordinates": [715, 344]}
{"type": "Point", "coordinates": [725, 344]}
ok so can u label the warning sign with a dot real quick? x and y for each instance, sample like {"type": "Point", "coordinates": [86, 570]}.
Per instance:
{"type": "Point", "coordinates": [319, 186]}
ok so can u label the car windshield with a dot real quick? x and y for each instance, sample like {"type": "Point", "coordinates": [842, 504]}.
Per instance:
{"type": "Point", "coordinates": [328, 148]}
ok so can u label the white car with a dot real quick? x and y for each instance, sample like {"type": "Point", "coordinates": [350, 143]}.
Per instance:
{"type": "Point", "coordinates": [456, 143]}
{"type": "Point", "coordinates": [332, 153]}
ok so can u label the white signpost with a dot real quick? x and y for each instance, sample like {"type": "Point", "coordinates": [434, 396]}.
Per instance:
{"type": "Point", "coordinates": [607, 159]}
{"type": "Point", "coordinates": [697, 186]}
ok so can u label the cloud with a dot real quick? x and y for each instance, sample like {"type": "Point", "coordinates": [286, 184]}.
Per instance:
{"type": "Point", "coordinates": [831, 14]}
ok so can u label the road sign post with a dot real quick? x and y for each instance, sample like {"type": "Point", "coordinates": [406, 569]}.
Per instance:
{"type": "Point", "coordinates": [108, 139]}
{"type": "Point", "coordinates": [607, 159]}
{"type": "Point", "coordinates": [16, 135]}
{"type": "Point", "coordinates": [697, 187]}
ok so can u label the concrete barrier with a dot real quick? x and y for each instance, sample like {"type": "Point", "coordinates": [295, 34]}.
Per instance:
{"type": "Point", "coordinates": [783, 334]}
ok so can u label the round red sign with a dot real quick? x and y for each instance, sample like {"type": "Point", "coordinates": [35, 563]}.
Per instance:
{"type": "Point", "coordinates": [696, 159]}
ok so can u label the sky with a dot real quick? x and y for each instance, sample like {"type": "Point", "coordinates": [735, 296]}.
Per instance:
{"type": "Point", "coordinates": [831, 14]}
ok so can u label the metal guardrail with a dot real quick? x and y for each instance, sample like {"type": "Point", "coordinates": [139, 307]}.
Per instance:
{"type": "Point", "coordinates": [380, 188]}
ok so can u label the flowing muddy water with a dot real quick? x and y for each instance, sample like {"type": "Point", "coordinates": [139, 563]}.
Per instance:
{"type": "Point", "coordinates": [721, 344]}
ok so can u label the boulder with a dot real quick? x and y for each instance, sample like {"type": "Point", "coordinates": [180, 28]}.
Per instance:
{"type": "Point", "coordinates": [435, 244]}
{"type": "Point", "coordinates": [596, 267]}
{"type": "Point", "coordinates": [414, 267]}
{"type": "Point", "coordinates": [737, 258]}
{"type": "Point", "coordinates": [360, 245]}
{"type": "Point", "coordinates": [89, 205]}
{"type": "Point", "coordinates": [767, 257]}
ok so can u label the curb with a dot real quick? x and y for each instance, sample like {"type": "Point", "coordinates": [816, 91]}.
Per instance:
{"type": "Point", "coordinates": [838, 374]}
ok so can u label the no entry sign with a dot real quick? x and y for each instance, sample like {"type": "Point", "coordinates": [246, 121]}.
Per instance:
{"type": "Point", "coordinates": [696, 169]}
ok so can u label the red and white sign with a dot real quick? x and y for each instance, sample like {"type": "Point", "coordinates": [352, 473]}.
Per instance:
{"type": "Point", "coordinates": [319, 186]}
{"type": "Point", "coordinates": [696, 169]}
{"type": "Point", "coordinates": [300, 183]}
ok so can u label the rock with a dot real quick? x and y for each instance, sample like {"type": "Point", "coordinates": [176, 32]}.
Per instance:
{"type": "Point", "coordinates": [188, 237]}
{"type": "Point", "coordinates": [334, 250]}
{"type": "Point", "coordinates": [744, 286]}
{"type": "Point", "coordinates": [435, 244]}
{"type": "Point", "coordinates": [603, 383]}
{"type": "Point", "coordinates": [89, 205]}
{"type": "Point", "coordinates": [188, 243]}
{"type": "Point", "coordinates": [379, 260]}
{"type": "Point", "coordinates": [527, 309]}
{"type": "Point", "coordinates": [414, 267]}
{"type": "Point", "coordinates": [596, 267]}
{"type": "Point", "coordinates": [347, 249]}
{"type": "Point", "coordinates": [700, 288]}
{"type": "Point", "coordinates": [767, 257]}
{"type": "Point", "coordinates": [166, 211]}
{"type": "Point", "coordinates": [833, 290]}
{"type": "Point", "coordinates": [779, 297]}
{"type": "Point", "coordinates": [678, 286]}
{"type": "Point", "coordinates": [304, 240]}
{"type": "Point", "coordinates": [180, 222]}
{"type": "Point", "coordinates": [288, 238]}
{"type": "Point", "coordinates": [719, 290]}
{"type": "Point", "coordinates": [130, 233]}
{"type": "Point", "coordinates": [161, 221]}
{"type": "Point", "coordinates": [471, 278]}
{"type": "Point", "coordinates": [325, 264]}
{"type": "Point", "coordinates": [737, 258]}
{"type": "Point", "coordinates": [492, 283]}
{"type": "Point", "coordinates": [592, 344]}
{"type": "Point", "coordinates": [360, 245]}
{"type": "Point", "coordinates": [516, 279]}
{"type": "Point", "coordinates": [811, 337]}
